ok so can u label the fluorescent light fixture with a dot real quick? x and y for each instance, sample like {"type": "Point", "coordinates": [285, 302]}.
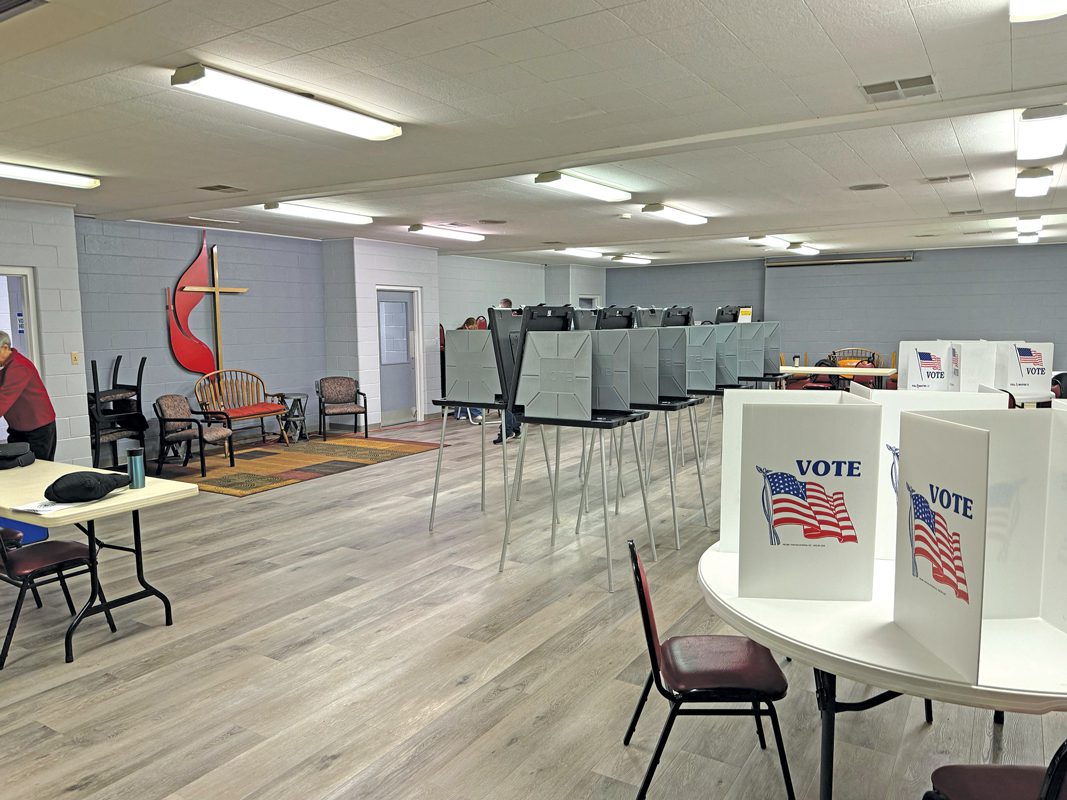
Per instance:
{"type": "Point", "coordinates": [1028, 238]}
{"type": "Point", "coordinates": [777, 242]}
{"type": "Point", "coordinates": [1031, 225]}
{"type": "Point", "coordinates": [445, 233]}
{"type": "Point", "coordinates": [20, 172]}
{"type": "Point", "coordinates": [282, 103]}
{"type": "Point", "coordinates": [801, 249]}
{"type": "Point", "coordinates": [580, 252]}
{"type": "Point", "coordinates": [321, 214]}
{"type": "Point", "coordinates": [1043, 133]}
{"type": "Point", "coordinates": [212, 219]}
{"type": "Point", "coordinates": [674, 214]}
{"type": "Point", "coordinates": [587, 188]}
{"type": "Point", "coordinates": [632, 259]}
{"type": "Point", "coordinates": [1033, 182]}
{"type": "Point", "coordinates": [1035, 10]}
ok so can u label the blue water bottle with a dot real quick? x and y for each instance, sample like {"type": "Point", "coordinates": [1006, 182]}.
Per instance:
{"type": "Point", "coordinates": [135, 467]}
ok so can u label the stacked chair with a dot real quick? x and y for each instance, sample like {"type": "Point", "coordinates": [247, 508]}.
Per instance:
{"type": "Point", "coordinates": [115, 412]}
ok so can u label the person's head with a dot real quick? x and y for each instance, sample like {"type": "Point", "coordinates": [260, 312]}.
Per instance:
{"type": "Point", "coordinates": [5, 347]}
{"type": "Point", "coordinates": [470, 324]}
{"type": "Point", "coordinates": [505, 302]}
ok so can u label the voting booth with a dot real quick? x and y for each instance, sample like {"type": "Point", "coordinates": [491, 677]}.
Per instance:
{"type": "Point", "coordinates": [1024, 367]}
{"type": "Point", "coordinates": [772, 346]}
{"type": "Point", "coordinates": [971, 364]}
{"type": "Point", "coordinates": [808, 495]}
{"type": "Point", "coordinates": [644, 365]}
{"type": "Point", "coordinates": [924, 366]}
{"type": "Point", "coordinates": [556, 375]}
{"type": "Point", "coordinates": [470, 367]}
{"type": "Point", "coordinates": [701, 347]}
{"type": "Point", "coordinates": [981, 549]}
{"type": "Point", "coordinates": [672, 362]}
{"type": "Point", "coordinates": [727, 354]}
{"type": "Point", "coordinates": [611, 370]}
{"type": "Point", "coordinates": [893, 404]}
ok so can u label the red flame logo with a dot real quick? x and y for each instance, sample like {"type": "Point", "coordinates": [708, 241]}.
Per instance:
{"type": "Point", "coordinates": [188, 350]}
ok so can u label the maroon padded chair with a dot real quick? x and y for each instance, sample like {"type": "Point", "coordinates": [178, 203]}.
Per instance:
{"type": "Point", "coordinates": [1001, 781]}
{"type": "Point", "coordinates": [706, 669]}
{"type": "Point", "coordinates": [35, 565]}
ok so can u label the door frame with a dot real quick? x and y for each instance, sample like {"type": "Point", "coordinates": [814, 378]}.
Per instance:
{"type": "Point", "coordinates": [33, 302]}
{"type": "Point", "coordinates": [420, 367]}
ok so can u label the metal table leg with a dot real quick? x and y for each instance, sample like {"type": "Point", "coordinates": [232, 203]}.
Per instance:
{"type": "Point", "coordinates": [604, 490]}
{"type": "Point", "coordinates": [670, 475]}
{"type": "Point", "coordinates": [644, 494]}
{"type": "Point", "coordinates": [700, 472]}
{"type": "Point", "coordinates": [548, 466]}
{"type": "Point", "coordinates": [482, 426]}
{"type": "Point", "coordinates": [555, 491]}
{"type": "Point", "coordinates": [582, 499]}
{"type": "Point", "coordinates": [511, 505]}
{"type": "Point", "coordinates": [440, 455]}
{"type": "Point", "coordinates": [619, 489]}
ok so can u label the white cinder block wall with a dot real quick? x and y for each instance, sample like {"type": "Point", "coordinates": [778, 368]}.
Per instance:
{"type": "Point", "coordinates": [471, 285]}
{"type": "Point", "coordinates": [41, 236]}
{"type": "Point", "coordinates": [381, 264]}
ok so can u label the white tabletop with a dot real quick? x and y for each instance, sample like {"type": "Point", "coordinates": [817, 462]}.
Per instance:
{"type": "Point", "coordinates": [875, 371]}
{"type": "Point", "coordinates": [1022, 659]}
{"type": "Point", "coordinates": [27, 484]}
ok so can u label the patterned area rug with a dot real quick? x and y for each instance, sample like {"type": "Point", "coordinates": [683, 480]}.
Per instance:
{"type": "Point", "coordinates": [260, 468]}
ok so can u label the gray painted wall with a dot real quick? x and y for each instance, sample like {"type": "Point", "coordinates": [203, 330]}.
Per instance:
{"type": "Point", "coordinates": [1017, 292]}
{"type": "Point", "coordinates": [704, 286]}
{"type": "Point", "coordinates": [277, 329]}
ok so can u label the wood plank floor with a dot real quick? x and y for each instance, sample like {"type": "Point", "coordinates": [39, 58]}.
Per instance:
{"type": "Point", "coordinates": [326, 647]}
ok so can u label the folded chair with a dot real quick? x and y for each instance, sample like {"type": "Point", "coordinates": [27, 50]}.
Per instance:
{"type": "Point", "coordinates": [35, 565]}
{"type": "Point", "coordinates": [707, 669]}
{"type": "Point", "coordinates": [1001, 781]}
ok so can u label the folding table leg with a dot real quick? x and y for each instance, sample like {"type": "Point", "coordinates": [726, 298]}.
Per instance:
{"type": "Point", "coordinates": [504, 458]}
{"type": "Point", "coordinates": [548, 466]}
{"type": "Point", "coordinates": [644, 494]}
{"type": "Point", "coordinates": [619, 488]}
{"type": "Point", "coordinates": [437, 475]}
{"type": "Point", "coordinates": [604, 492]}
{"type": "Point", "coordinates": [511, 505]}
{"type": "Point", "coordinates": [585, 487]}
{"type": "Point", "coordinates": [651, 458]}
{"type": "Point", "coordinates": [482, 426]}
{"type": "Point", "coordinates": [700, 473]}
{"type": "Point", "coordinates": [707, 436]}
{"type": "Point", "coordinates": [670, 475]}
{"type": "Point", "coordinates": [555, 491]}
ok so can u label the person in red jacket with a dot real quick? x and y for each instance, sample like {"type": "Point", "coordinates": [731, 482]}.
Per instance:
{"type": "Point", "coordinates": [24, 402]}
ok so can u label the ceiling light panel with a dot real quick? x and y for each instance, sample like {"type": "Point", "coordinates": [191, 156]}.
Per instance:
{"type": "Point", "coordinates": [445, 233]}
{"type": "Point", "coordinates": [321, 214]}
{"type": "Point", "coordinates": [1028, 238]}
{"type": "Point", "coordinates": [20, 172]}
{"type": "Point", "coordinates": [1042, 133]}
{"type": "Point", "coordinates": [777, 242]}
{"type": "Point", "coordinates": [1033, 182]}
{"type": "Point", "coordinates": [801, 249]}
{"type": "Point", "coordinates": [632, 259]}
{"type": "Point", "coordinates": [673, 214]}
{"type": "Point", "coordinates": [579, 252]}
{"type": "Point", "coordinates": [1035, 10]}
{"type": "Point", "coordinates": [210, 82]}
{"type": "Point", "coordinates": [1032, 225]}
{"type": "Point", "coordinates": [586, 188]}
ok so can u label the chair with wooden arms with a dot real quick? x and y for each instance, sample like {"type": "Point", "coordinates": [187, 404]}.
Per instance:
{"type": "Point", "coordinates": [340, 395]}
{"type": "Point", "coordinates": [240, 395]}
{"type": "Point", "coordinates": [706, 669]}
{"type": "Point", "coordinates": [1001, 781]}
{"type": "Point", "coordinates": [178, 425]}
{"type": "Point", "coordinates": [35, 565]}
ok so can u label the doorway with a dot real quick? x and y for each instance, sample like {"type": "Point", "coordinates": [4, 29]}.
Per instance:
{"type": "Point", "coordinates": [398, 356]}
{"type": "Point", "coordinates": [17, 308]}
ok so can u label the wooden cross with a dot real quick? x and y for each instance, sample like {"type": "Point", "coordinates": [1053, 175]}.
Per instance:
{"type": "Point", "coordinates": [216, 291]}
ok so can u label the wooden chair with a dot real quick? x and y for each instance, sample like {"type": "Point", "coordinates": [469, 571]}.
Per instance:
{"type": "Point", "coordinates": [240, 395]}
{"type": "Point", "coordinates": [340, 395]}
{"type": "Point", "coordinates": [35, 565]}
{"type": "Point", "coordinates": [706, 669]}
{"type": "Point", "coordinates": [177, 425]}
{"type": "Point", "coordinates": [1001, 781]}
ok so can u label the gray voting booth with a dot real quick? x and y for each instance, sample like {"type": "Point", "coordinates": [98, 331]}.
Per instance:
{"type": "Point", "coordinates": [672, 355]}
{"type": "Point", "coordinates": [726, 354]}
{"type": "Point", "coordinates": [772, 347]}
{"type": "Point", "coordinates": [749, 350]}
{"type": "Point", "coordinates": [700, 360]}
{"type": "Point", "coordinates": [470, 367]}
{"type": "Point", "coordinates": [556, 376]}
{"type": "Point", "coordinates": [611, 370]}
{"type": "Point", "coordinates": [644, 365]}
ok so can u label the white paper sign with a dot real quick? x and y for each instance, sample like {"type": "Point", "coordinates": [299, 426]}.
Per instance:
{"type": "Point", "coordinates": [809, 476]}
{"type": "Point", "coordinates": [924, 365]}
{"type": "Point", "coordinates": [941, 513]}
{"type": "Point", "coordinates": [1023, 366]}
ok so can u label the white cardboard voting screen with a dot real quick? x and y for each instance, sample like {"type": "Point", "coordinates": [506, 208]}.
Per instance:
{"type": "Point", "coordinates": [733, 402]}
{"type": "Point", "coordinates": [941, 538]}
{"type": "Point", "coordinates": [893, 403]}
{"type": "Point", "coordinates": [809, 482]}
{"type": "Point", "coordinates": [1023, 366]}
{"type": "Point", "coordinates": [923, 365]}
{"type": "Point", "coordinates": [973, 363]}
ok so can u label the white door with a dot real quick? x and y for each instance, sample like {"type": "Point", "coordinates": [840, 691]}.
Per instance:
{"type": "Point", "coordinates": [396, 349]}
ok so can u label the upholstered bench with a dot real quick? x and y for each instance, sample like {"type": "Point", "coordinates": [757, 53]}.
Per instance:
{"type": "Point", "coordinates": [240, 395]}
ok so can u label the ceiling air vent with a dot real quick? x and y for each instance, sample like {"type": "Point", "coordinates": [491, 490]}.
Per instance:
{"type": "Point", "coordinates": [966, 176]}
{"type": "Point", "coordinates": [900, 89]}
{"type": "Point", "coordinates": [223, 188]}
{"type": "Point", "coordinates": [966, 213]}
{"type": "Point", "coordinates": [11, 8]}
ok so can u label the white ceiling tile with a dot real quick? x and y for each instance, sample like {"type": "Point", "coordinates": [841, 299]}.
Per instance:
{"type": "Point", "coordinates": [428, 8]}
{"type": "Point", "coordinates": [425, 80]}
{"type": "Point", "coordinates": [306, 68]}
{"type": "Point", "coordinates": [647, 16]}
{"type": "Point", "coordinates": [361, 17]}
{"type": "Point", "coordinates": [359, 54]}
{"type": "Point", "coordinates": [623, 53]}
{"type": "Point", "coordinates": [463, 60]}
{"type": "Point", "coordinates": [522, 45]}
{"type": "Point", "coordinates": [238, 14]}
{"type": "Point", "coordinates": [877, 46]}
{"type": "Point", "coordinates": [243, 48]}
{"type": "Point", "coordinates": [543, 12]}
{"type": "Point", "coordinates": [481, 21]}
{"type": "Point", "coordinates": [597, 83]}
{"type": "Point", "coordinates": [301, 32]}
{"type": "Point", "coordinates": [562, 65]}
{"type": "Point", "coordinates": [502, 79]}
{"type": "Point", "coordinates": [588, 30]}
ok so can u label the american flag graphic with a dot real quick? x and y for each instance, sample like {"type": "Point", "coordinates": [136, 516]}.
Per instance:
{"type": "Point", "coordinates": [819, 514]}
{"type": "Point", "coordinates": [932, 541]}
{"type": "Point", "coordinates": [928, 360]}
{"type": "Point", "coordinates": [1027, 355]}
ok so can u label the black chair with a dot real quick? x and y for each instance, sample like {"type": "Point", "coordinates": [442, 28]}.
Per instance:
{"type": "Point", "coordinates": [706, 669]}
{"type": "Point", "coordinates": [115, 412]}
{"type": "Point", "coordinates": [36, 565]}
{"type": "Point", "coordinates": [178, 425]}
{"type": "Point", "coordinates": [340, 395]}
{"type": "Point", "coordinates": [1001, 781]}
